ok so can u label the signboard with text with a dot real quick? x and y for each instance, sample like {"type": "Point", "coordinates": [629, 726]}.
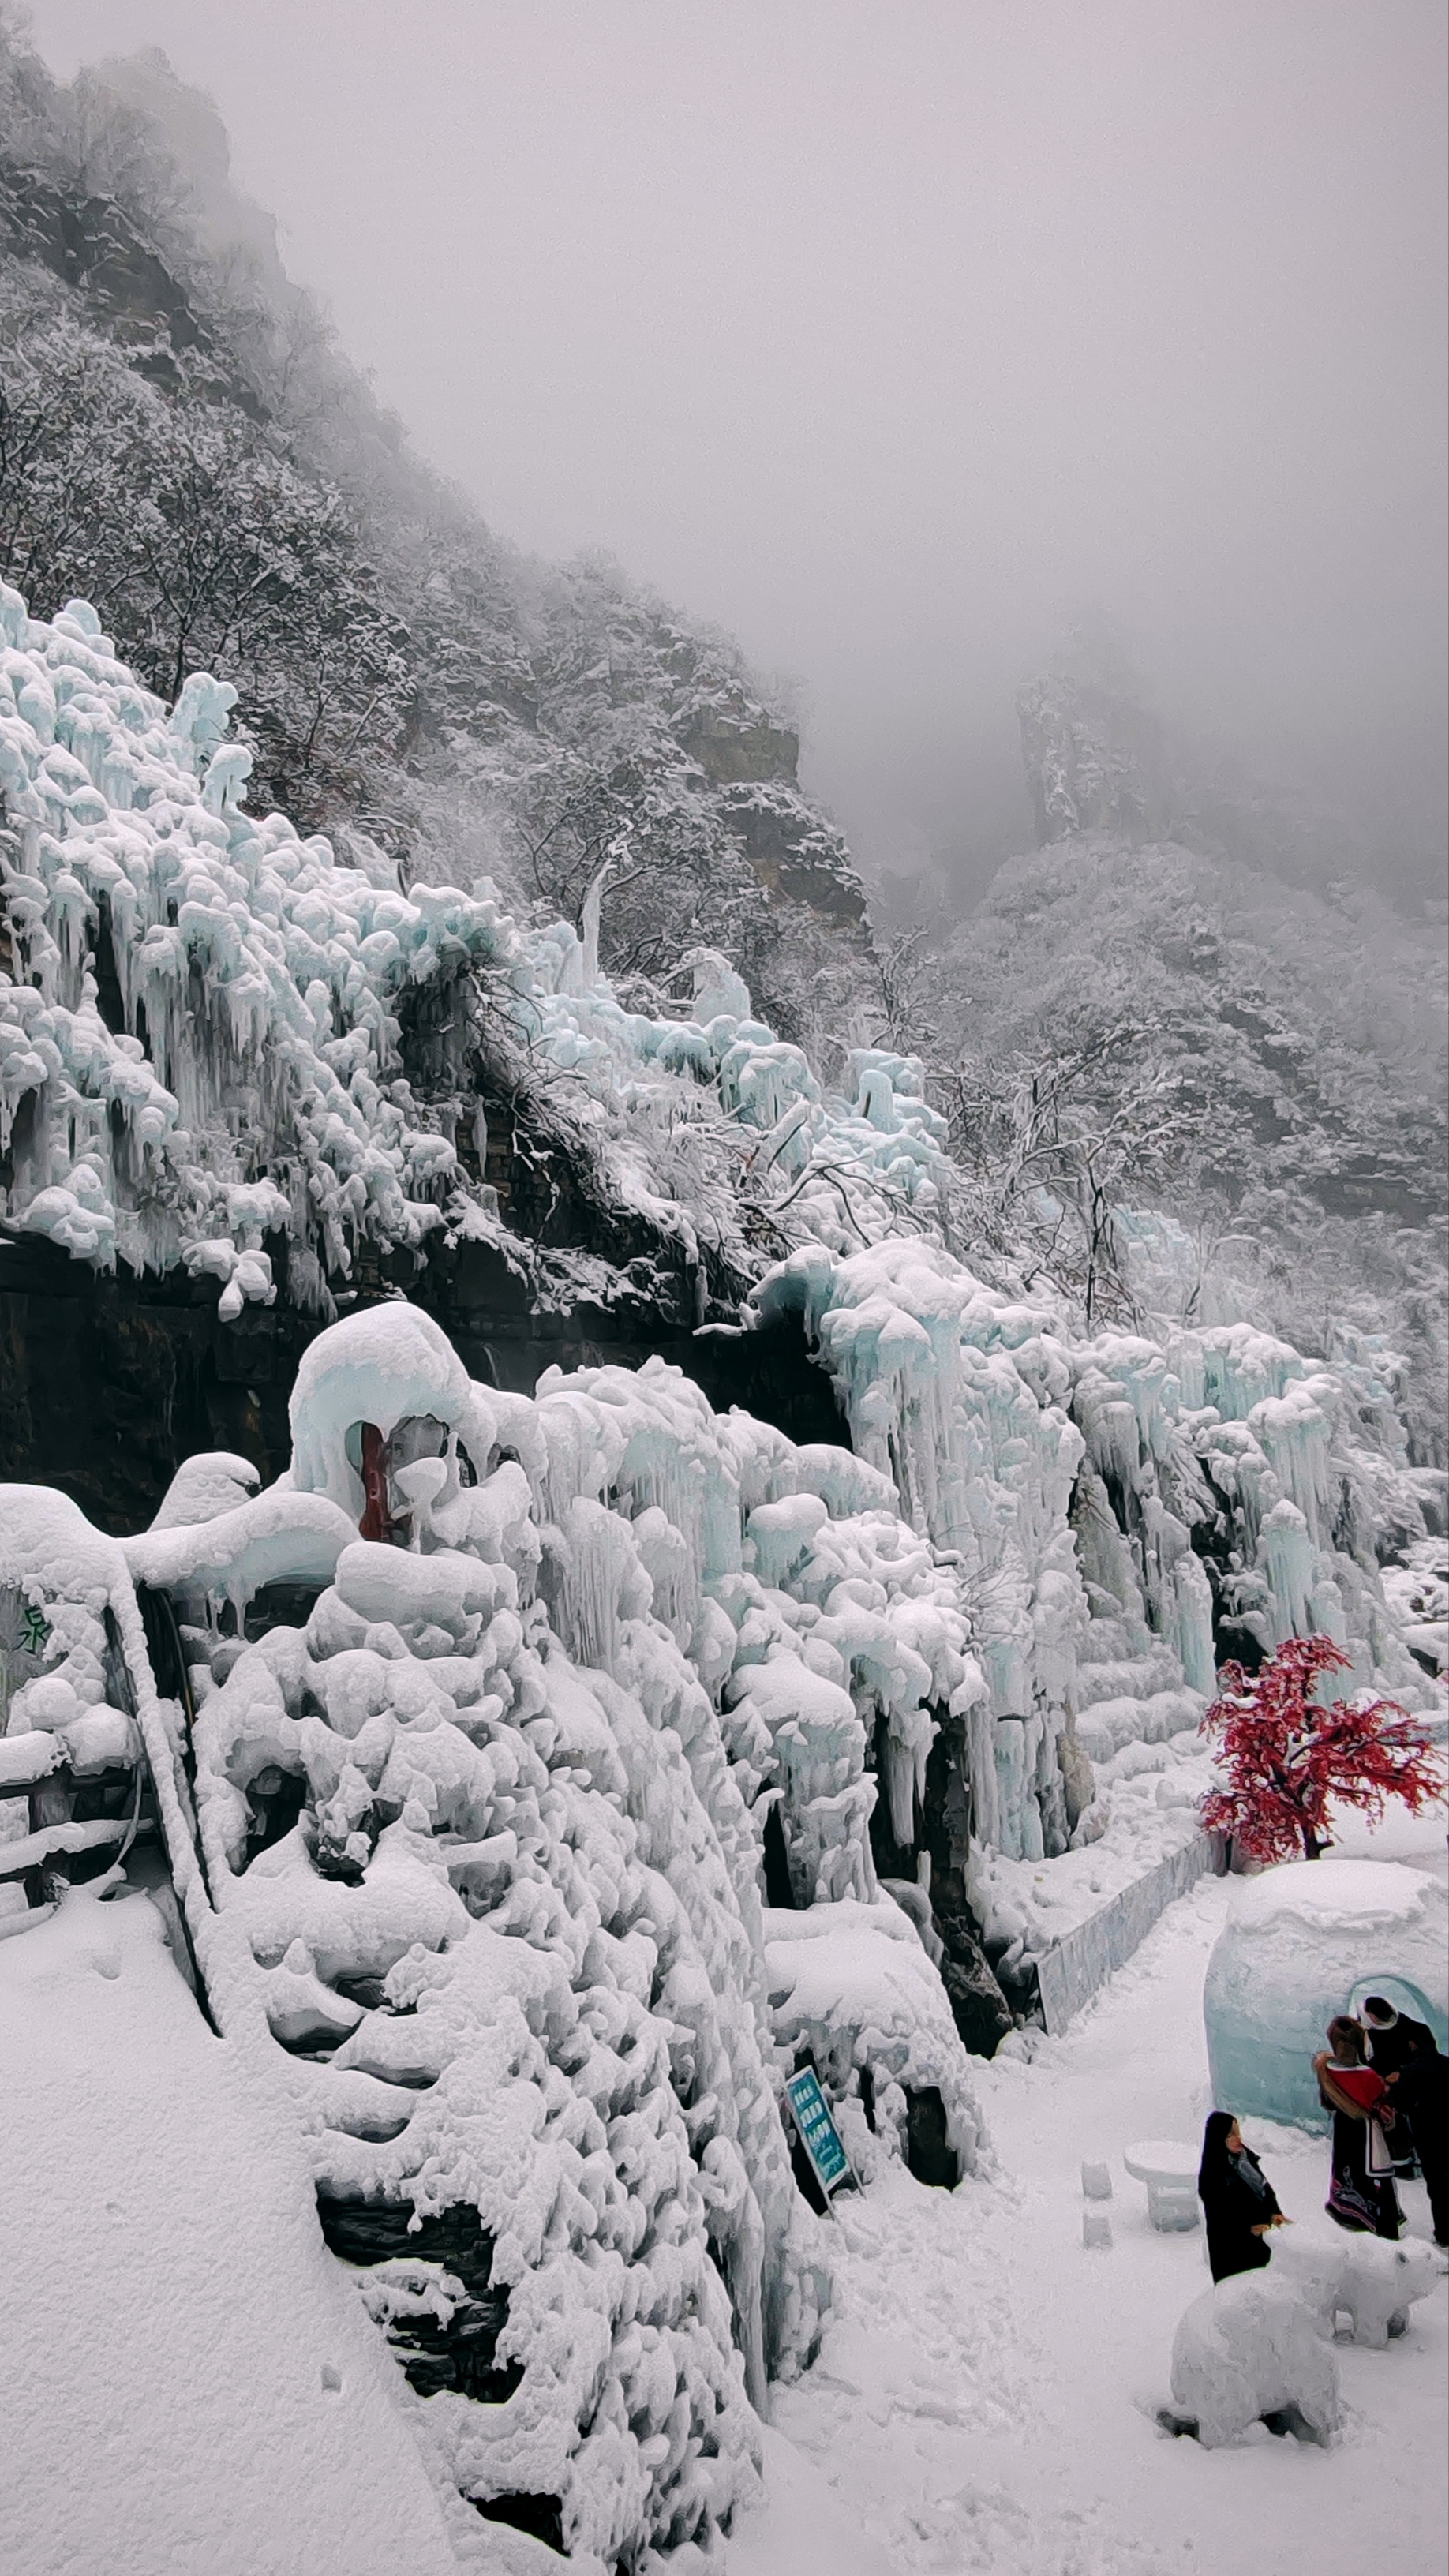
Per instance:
{"type": "Point", "coordinates": [819, 2135]}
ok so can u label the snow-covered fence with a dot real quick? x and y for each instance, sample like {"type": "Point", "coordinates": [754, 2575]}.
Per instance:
{"type": "Point", "coordinates": [1070, 1972]}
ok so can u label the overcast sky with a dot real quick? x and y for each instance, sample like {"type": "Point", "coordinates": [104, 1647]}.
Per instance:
{"type": "Point", "coordinates": [898, 336]}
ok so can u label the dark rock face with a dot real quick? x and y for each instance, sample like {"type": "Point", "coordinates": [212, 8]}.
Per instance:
{"type": "Point", "coordinates": [93, 244]}
{"type": "Point", "coordinates": [738, 742]}
{"type": "Point", "coordinates": [929, 2152]}
{"type": "Point", "coordinates": [458, 2355]}
{"type": "Point", "coordinates": [943, 1826]}
{"type": "Point", "coordinates": [1240, 1635]}
{"type": "Point", "coordinates": [797, 857]}
{"type": "Point", "coordinates": [539, 2515]}
{"type": "Point", "coordinates": [461, 2354]}
{"type": "Point", "coordinates": [108, 1381]}
{"type": "Point", "coordinates": [771, 1373]}
{"type": "Point", "coordinates": [776, 1861]}
{"type": "Point", "coordinates": [980, 2009]}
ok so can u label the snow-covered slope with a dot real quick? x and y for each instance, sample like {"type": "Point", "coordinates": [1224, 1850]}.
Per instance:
{"type": "Point", "coordinates": [207, 2391]}
{"type": "Point", "coordinates": [471, 1858]}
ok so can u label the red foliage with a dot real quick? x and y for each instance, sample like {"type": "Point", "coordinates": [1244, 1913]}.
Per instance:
{"type": "Point", "coordinates": [1288, 1758]}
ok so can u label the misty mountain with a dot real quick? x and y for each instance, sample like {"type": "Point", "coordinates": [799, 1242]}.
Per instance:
{"type": "Point", "coordinates": [1189, 960]}
{"type": "Point", "coordinates": [1282, 1041]}
{"type": "Point", "coordinates": [438, 703]}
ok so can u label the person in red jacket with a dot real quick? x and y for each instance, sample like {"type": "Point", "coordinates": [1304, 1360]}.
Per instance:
{"type": "Point", "coordinates": [1361, 2194]}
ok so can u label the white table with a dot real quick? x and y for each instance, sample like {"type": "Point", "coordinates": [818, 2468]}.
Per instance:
{"type": "Point", "coordinates": [1169, 2169]}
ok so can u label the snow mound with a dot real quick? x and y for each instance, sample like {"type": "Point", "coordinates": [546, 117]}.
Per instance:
{"type": "Point", "coordinates": [1328, 1895]}
{"type": "Point", "coordinates": [851, 1987]}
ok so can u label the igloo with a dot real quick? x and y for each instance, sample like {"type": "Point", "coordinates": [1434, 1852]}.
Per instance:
{"type": "Point", "coordinates": [1303, 1942]}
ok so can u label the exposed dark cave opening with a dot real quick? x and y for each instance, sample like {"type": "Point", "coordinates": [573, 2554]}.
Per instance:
{"type": "Point", "coordinates": [942, 1833]}
{"type": "Point", "coordinates": [773, 1373]}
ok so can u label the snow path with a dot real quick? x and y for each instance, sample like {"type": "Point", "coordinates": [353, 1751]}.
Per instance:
{"type": "Point", "coordinates": [191, 2387]}
{"type": "Point", "coordinates": [985, 2399]}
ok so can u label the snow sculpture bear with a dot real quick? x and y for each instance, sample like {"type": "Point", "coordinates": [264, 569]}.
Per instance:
{"type": "Point", "coordinates": [1250, 2347]}
{"type": "Point", "coordinates": [1372, 2282]}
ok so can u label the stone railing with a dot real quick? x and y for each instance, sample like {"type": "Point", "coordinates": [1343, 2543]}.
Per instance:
{"type": "Point", "coordinates": [1069, 1974]}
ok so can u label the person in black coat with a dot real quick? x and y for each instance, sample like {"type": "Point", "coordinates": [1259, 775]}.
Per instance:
{"type": "Point", "coordinates": [1239, 2203]}
{"type": "Point", "coordinates": [1421, 2094]}
{"type": "Point", "coordinates": [1391, 2039]}
{"type": "Point", "coordinates": [1391, 2036]}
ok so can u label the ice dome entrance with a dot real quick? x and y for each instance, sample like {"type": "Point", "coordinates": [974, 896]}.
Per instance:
{"type": "Point", "coordinates": [1307, 1940]}
{"type": "Point", "coordinates": [1404, 1997]}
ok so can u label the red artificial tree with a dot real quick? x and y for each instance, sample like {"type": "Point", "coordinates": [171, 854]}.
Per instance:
{"type": "Point", "coordinates": [1288, 1757]}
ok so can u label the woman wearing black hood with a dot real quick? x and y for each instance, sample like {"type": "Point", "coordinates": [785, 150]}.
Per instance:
{"type": "Point", "coordinates": [1238, 2201]}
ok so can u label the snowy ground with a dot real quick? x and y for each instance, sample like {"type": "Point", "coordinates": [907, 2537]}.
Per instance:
{"type": "Point", "coordinates": [191, 2386]}
{"type": "Point", "coordinates": [986, 2398]}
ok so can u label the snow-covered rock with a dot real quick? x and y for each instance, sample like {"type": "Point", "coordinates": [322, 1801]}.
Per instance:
{"type": "Point", "coordinates": [852, 1988]}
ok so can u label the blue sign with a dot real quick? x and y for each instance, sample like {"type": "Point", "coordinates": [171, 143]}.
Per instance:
{"type": "Point", "coordinates": [818, 2133]}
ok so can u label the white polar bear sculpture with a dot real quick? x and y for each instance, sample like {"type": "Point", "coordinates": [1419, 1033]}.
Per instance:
{"type": "Point", "coordinates": [1251, 2347]}
{"type": "Point", "coordinates": [1373, 2282]}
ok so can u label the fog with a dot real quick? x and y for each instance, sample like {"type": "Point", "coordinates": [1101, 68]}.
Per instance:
{"type": "Point", "coordinates": [901, 337]}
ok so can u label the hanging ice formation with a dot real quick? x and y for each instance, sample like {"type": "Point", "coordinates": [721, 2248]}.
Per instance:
{"type": "Point", "coordinates": [238, 1075]}
{"type": "Point", "coordinates": [1085, 1488]}
{"type": "Point", "coordinates": [249, 1091]}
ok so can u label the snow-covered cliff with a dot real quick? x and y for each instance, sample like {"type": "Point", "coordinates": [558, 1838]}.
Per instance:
{"type": "Point", "coordinates": [566, 1767]}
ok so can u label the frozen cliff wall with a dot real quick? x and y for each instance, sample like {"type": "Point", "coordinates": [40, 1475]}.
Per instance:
{"type": "Point", "coordinates": [208, 1019]}
{"type": "Point", "coordinates": [1122, 1510]}
{"type": "Point", "coordinates": [228, 1054]}
{"type": "Point", "coordinates": [198, 1024]}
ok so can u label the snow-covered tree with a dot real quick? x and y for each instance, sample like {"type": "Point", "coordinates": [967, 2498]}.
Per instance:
{"type": "Point", "coordinates": [204, 547]}
{"type": "Point", "coordinates": [1061, 1134]}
